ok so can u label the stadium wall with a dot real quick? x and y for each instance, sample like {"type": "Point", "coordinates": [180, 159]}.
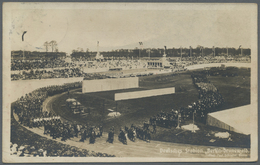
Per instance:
{"type": "Point", "coordinates": [201, 66]}
{"type": "Point", "coordinates": [109, 84]}
{"type": "Point", "coordinates": [94, 70]}
{"type": "Point", "coordinates": [21, 87]}
{"type": "Point", "coordinates": [145, 93]}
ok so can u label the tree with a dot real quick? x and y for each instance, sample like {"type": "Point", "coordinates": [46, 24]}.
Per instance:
{"type": "Point", "coordinates": [46, 44]}
{"type": "Point", "coordinates": [80, 49]}
{"type": "Point", "coordinates": [53, 45]}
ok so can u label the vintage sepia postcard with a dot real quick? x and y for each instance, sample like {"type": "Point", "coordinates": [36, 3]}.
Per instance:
{"type": "Point", "coordinates": [130, 82]}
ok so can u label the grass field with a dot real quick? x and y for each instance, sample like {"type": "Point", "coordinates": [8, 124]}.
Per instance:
{"type": "Point", "coordinates": [235, 90]}
{"type": "Point", "coordinates": [132, 111]}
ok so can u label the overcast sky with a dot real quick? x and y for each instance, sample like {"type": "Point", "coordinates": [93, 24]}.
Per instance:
{"type": "Point", "coordinates": [123, 26]}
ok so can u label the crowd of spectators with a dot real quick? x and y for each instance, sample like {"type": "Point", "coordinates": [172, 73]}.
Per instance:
{"type": "Point", "coordinates": [30, 113]}
{"type": "Point", "coordinates": [92, 76]}
{"type": "Point", "coordinates": [127, 64]}
{"type": "Point", "coordinates": [209, 100]}
{"type": "Point", "coordinates": [43, 74]}
{"type": "Point", "coordinates": [29, 107]}
{"type": "Point", "coordinates": [209, 97]}
{"type": "Point", "coordinates": [187, 61]}
{"type": "Point", "coordinates": [40, 64]}
{"type": "Point", "coordinates": [51, 149]}
{"type": "Point", "coordinates": [58, 68]}
{"type": "Point", "coordinates": [21, 65]}
{"type": "Point", "coordinates": [27, 144]}
{"type": "Point", "coordinates": [73, 70]}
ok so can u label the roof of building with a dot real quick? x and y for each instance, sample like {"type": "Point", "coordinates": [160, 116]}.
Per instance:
{"type": "Point", "coordinates": [238, 118]}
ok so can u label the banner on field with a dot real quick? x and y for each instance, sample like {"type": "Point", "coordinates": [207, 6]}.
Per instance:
{"type": "Point", "coordinates": [109, 84]}
{"type": "Point", "coordinates": [145, 93]}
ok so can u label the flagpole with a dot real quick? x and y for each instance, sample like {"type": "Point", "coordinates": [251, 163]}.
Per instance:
{"type": "Point", "coordinates": [149, 54]}
{"type": "Point", "coordinates": [227, 51]}
{"type": "Point", "coordinates": [181, 52]}
{"type": "Point", "coordinates": [213, 49]}
{"type": "Point", "coordinates": [193, 123]}
{"type": "Point", "coordinates": [139, 53]}
{"type": "Point", "coordinates": [23, 54]}
{"type": "Point", "coordinates": [190, 52]}
{"type": "Point", "coordinates": [97, 46]}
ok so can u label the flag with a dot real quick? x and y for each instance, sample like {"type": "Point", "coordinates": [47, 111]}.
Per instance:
{"type": "Point", "coordinates": [239, 46]}
{"type": "Point", "coordinates": [141, 43]}
{"type": "Point", "coordinates": [23, 35]}
{"type": "Point", "coordinates": [165, 47]}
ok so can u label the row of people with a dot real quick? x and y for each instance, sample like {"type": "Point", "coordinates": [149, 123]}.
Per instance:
{"type": "Point", "coordinates": [23, 65]}
{"type": "Point", "coordinates": [132, 133]}
{"type": "Point", "coordinates": [39, 64]}
{"type": "Point", "coordinates": [44, 74]}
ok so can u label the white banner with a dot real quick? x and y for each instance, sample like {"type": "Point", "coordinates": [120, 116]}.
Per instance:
{"type": "Point", "coordinates": [109, 84]}
{"type": "Point", "coordinates": [145, 93]}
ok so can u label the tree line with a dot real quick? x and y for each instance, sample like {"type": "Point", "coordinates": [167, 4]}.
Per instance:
{"type": "Point", "coordinates": [171, 52]}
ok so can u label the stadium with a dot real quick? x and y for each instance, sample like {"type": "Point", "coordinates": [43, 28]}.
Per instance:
{"type": "Point", "coordinates": [154, 81]}
{"type": "Point", "coordinates": [177, 108]}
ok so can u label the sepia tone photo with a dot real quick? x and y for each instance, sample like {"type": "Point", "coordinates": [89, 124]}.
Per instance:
{"type": "Point", "coordinates": [129, 82]}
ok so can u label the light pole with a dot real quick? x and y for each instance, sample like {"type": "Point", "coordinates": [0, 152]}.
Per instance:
{"type": "Point", "coordinates": [103, 115]}
{"type": "Point", "coordinates": [178, 127]}
{"type": "Point", "coordinates": [116, 108]}
{"type": "Point", "coordinates": [213, 49]}
{"type": "Point", "coordinates": [201, 50]}
{"type": "Point", "coordinates": [193, 121]}
{"type": "Point", "coordinates": [23, 40]}
{"type": "Point", "coordinates": [141, 44]}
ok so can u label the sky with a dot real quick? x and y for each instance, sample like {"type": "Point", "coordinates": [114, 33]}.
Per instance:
{"type": "Point", "coordinates": [123, 27]}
